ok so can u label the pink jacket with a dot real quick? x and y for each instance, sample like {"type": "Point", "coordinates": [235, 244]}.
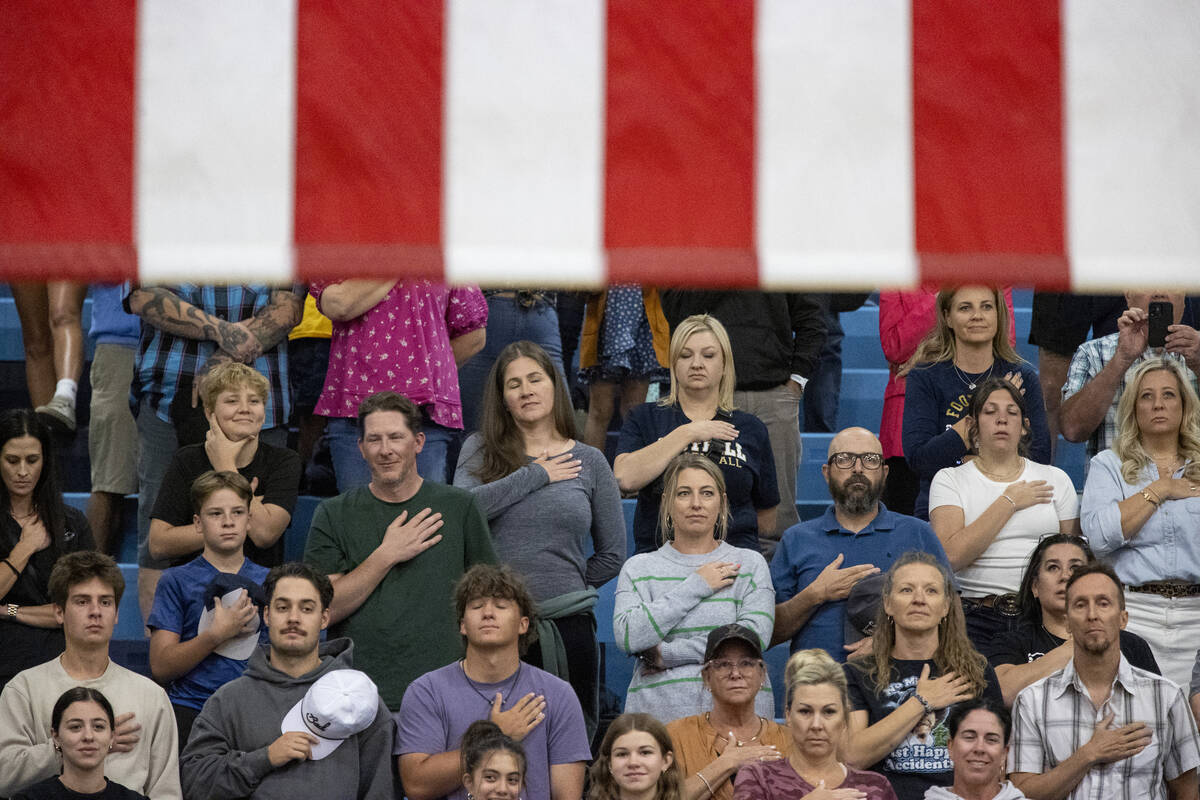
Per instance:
{"type": "Point", "coordinates": [904, 319]}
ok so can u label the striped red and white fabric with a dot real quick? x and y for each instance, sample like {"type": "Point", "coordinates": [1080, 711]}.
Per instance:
{"type": "Point", "coordinates": [723, 142]}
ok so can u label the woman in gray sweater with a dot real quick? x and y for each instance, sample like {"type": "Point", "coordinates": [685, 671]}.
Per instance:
{"type": "Point", "coordinates": [668, 601]}
{"type": "Point", "coordinates": [547, 497]}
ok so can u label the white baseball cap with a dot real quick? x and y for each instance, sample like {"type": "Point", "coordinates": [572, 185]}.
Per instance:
{"type": "Point", "coordinates": [340, 704]}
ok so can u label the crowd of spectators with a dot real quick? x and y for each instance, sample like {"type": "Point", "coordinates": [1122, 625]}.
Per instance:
{"type": "Point", "coordinates": [439, 637]}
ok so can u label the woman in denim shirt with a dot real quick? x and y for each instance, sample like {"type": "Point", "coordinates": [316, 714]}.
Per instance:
{"type": "Point", "coordinates": [1141, 511]}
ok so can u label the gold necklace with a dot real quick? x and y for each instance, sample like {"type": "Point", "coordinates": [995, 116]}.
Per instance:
{"type": "Point", "coordinates": [1170, 468]}
{"type": "Point", "coordinates": [736, 741]}
{"type": "Point", "coordinates": [1002, 478]}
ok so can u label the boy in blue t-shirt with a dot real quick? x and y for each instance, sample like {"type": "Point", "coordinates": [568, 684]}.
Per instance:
{"type": "Point", "coordinates": [205, 621]}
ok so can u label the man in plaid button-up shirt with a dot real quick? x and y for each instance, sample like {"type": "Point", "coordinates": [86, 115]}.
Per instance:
{"type": "Point", "coordinates": [1100, 728]}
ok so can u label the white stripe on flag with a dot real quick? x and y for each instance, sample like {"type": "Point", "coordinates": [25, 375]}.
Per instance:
{"type": "Point", "coordinates": [523, 142]}
{"type": "Point", "coordinates": [215, 138]}
{"type": "Point", "coordinates": [1132, 161]}
{"type": "Point", "coordinates": [834, 130]}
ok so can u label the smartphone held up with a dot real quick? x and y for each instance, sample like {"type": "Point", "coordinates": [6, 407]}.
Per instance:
{"type": "Point", "coordinates": [1159, 316]}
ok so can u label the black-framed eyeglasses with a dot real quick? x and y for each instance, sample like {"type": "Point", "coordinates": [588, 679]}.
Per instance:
{"type": "Point", "coordinates": [846, 460]}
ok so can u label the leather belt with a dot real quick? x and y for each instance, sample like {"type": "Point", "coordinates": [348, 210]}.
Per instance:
{"type": "Point", "coordinates": [1168, 589]}
{"type": "Point", "coordinates": [1005, 604]}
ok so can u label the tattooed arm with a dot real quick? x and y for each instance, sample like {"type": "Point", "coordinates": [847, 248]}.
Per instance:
{"type": "Point", "coordinates": [271, 323]}
{"type": "Point", "coordinates": [165, 310]}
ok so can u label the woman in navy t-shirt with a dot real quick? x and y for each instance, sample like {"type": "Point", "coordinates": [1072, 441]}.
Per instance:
{"type": "Point", "coordinates": [968, 345]}
{"type": "Point", "coordinates": [698, 416]}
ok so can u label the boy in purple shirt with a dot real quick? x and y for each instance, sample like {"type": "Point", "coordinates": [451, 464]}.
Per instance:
{"type": "Point", "coordinates": [495, 612]}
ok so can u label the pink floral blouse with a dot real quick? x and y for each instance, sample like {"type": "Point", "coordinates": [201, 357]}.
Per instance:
{"type": "Point", "coordinates": [402, 344]}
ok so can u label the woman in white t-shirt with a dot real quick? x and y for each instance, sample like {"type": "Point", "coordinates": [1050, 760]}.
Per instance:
{"type": "Point", "coordinates": [991, 511]}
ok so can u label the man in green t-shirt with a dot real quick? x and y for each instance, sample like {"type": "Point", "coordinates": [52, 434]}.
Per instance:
{"type": "Point", "coordinates": [394, 550]}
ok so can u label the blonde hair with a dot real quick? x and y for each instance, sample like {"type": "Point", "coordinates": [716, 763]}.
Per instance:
{"type": "Point", "coordinates": [939, 344]}
{"type": "Point", "coordinates": [955, 653]}
{"type": "Point", "coordinates": [814, 667]}
{"type": "Point", "coordinates": [671, 481]}
{"type": "Point", "coordinates": [699, 323]}
{"type": "Point", "coordinates": [230, 376]}
{"type": "Point", "coordinates": [1128, 445]}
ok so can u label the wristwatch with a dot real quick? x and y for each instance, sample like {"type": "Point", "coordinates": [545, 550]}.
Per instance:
{"type": "Point", "coordinates": [12, 610]}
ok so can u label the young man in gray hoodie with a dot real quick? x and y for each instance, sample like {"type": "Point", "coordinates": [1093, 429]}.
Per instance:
{"type": "Point", "coordinates": [237, 746]}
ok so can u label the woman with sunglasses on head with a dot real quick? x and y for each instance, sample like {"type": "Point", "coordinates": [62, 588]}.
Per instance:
{"type": "Point", "coordinates": [990, 512]}
{"type": "Point", "coordinates": [698, 416]}
{"type": "Point", "coordinates": [711, 747]}
{"type": "Point", "coordinates": [968, 345]}
{"type": "Point", "coordinates": [82, 727]}
{"type": "Point", "coordinates": [1040, 644]}
{"type": "Point", "coordinates": [36, 527]}
{"type": "Point", "coordinates": [1141, 507]}
{"type": "Point", "coordinates": [667, 601]}
{"type": "Point", "coordinates": [921, 665]}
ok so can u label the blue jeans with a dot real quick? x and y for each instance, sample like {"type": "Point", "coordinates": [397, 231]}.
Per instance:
{"type": "Point", "coordinates": [507, 322]}
{"type": "Point", "coordinates": [824, 389]}
{"type": "Point", "coordinates": [350, 468]}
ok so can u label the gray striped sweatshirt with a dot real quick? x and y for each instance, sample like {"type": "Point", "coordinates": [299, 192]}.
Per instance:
{"type": "Point", "coordinates": [662, 601]}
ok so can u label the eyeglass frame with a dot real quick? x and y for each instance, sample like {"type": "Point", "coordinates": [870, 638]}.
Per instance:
{"type": "Point", "coordinates": [857, 457]}
{"type": "Point", "coordinates": [716, 665]}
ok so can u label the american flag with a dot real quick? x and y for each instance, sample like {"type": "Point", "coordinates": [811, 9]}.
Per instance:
{"type": "Point", "coordinates": [725, 142]}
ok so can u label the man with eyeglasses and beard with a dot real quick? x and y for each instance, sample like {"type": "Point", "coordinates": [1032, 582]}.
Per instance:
{"type": "Point", "coordinates": [819, 561]}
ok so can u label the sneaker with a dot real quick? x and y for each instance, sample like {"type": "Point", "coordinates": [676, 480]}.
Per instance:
{"type": "Point", "coordinates": [59, 412]}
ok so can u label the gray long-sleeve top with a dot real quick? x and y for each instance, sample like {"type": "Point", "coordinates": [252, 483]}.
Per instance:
{"type": "Point", "coordinates": [541, 529]}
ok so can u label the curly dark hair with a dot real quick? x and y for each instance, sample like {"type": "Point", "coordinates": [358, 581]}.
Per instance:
{"type": "Point", "coordinates": [484, 581]}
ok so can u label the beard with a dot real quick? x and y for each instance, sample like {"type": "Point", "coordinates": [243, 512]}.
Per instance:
{"type": "Point", "coordinates": [856, 495]}
{"type": "Point", "coordinates": [1096, 648]}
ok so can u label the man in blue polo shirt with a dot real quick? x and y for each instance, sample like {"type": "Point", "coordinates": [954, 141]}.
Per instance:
{"type": "Point", "coordinates": [819, 561]}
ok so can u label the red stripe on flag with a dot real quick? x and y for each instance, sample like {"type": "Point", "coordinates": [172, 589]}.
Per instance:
{"type": "Point", "coordinates": [369, 138]}
{"type": "Point", "coordinates": [988, 141]}
{"type": "Point", "coordinates": [66, 139]}
{"type": "Point", "coordinates": [679, 160]}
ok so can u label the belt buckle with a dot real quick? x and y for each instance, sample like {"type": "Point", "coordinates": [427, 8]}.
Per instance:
{"type": "Point", "coordinates": [1007, 605]}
